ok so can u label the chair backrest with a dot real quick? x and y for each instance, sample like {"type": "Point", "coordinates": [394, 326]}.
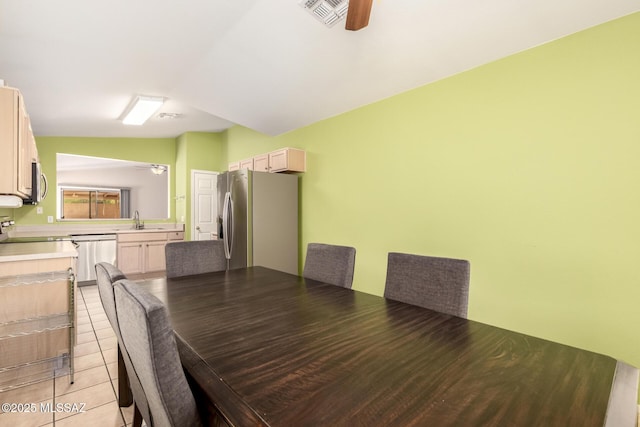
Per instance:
{"type": "Point", "coordinates": [149, 339]}
{"type": "Point", "coordinates": [106, 276]}
{"type": "Point", "coordinates": [194, 257]}
{"type": "Point", "coordinates": [440, 284]}
{"type": "Point", "coordinates": [330, 264]}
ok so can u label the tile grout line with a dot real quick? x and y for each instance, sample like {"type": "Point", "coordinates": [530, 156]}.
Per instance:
{"type": "Point", "coordinates": [105, 361]}
{"type": "Point", "coordinates": [76, 331]}
{"type": "Point", "coordinates": [94, 333]}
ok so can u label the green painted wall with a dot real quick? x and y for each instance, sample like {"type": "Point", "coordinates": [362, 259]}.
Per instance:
{"type": "Point", "coordinates": [205, 151]}
{"type": "Point", "coordinates": [196, 151]}
{"type": "Point", "coordinates": [182, 177]}
{"type": "Point", "coordinates": [527, 166]}
{"type": "Point", "coordinates": [151, 150]}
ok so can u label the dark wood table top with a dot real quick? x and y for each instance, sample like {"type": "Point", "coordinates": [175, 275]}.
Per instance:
{"type": "Point", "coordinates": [269, 348]}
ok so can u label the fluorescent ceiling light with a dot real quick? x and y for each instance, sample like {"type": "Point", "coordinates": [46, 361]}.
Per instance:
{"type": "Point", "coordinates": [141, 109]}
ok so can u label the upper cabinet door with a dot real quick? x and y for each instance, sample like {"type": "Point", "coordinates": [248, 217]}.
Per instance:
{"type": "Point", "coordinates": [27, 153]}
{"type": "Point", "coordinates": [282, 160]}
{"type": "Point", "coordinates": [287, 160]}
{"type": "Point", "coordinates": [261, 163]}
{"type": "Point", "coordinates": [246, 164]}
{"type": "Point", "coordinates": [17, 144]}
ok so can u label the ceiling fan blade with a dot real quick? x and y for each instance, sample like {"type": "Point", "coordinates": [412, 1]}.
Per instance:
{"type": "Point", "coordinates": [358, 14]}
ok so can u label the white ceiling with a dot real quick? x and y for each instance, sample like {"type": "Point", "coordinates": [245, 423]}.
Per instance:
{"type": "Point", "coordinates": [264, 64]}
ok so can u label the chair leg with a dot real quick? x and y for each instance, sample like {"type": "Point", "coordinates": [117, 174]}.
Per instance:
{"type": "Point", "coordinates": [137, 416]}
{"type": "Point", "coordinates": [125, 397]}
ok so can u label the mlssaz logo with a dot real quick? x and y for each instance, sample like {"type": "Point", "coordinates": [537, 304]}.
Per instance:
{"type": "Point", "coordinates": [63, 407]}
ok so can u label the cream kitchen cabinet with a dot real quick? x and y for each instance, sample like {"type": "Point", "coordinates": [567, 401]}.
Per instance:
{"type": "Point", "coordinates": [17, 144]}
{"type": "Point", "coordinates": [287, 160]}
{"type": "Point", "coordinates": [37, 312]}
{"type": "Point", "coordinates": [143, 252]}
{"type": "Point", "coordinates": [242, 164]}
{"type": "Point", "coordinates": [282, 160]}
{"type": "Point", "coordinates": [246, 164]}
{"type": "Point", "coordinates": [261, 163]}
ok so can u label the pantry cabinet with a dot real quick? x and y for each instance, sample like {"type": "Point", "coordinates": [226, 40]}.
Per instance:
{"type": "Point", "coordinates": [143, 252]}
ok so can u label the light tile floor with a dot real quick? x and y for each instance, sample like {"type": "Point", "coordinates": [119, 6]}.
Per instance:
{"type": "Point", "coordinates": [95, 385]}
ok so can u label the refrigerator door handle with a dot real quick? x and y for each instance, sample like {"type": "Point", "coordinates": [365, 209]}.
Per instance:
{"type": "Point", "coordinates": [227, 224]}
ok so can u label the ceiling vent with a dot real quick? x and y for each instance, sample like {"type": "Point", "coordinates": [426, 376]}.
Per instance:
{"type": "Point", "coordinates": [169, 115]}
{"type": "Point", "coordinates": [329, 12]}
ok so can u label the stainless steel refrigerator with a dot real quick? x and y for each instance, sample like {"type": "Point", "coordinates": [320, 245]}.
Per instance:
{"type": "Point", "coordinates": [258, 219]}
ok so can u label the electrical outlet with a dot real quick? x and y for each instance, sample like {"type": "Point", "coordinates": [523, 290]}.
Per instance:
{"type": "Point", "coordinates": [50, 219]}
{"type": "Point", "coordinates": [39, 210]}
{"type": "Point", "coordinates": [182, 218]}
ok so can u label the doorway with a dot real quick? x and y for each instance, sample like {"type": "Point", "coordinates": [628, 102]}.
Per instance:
{"type": "Point", "coordinates": [204, 205]}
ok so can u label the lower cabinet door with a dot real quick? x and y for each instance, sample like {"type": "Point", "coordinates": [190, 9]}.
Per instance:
{"type": "Point", "coordinates": [130, 258]}
{"type": "Point", "coordinates": [154, 256]}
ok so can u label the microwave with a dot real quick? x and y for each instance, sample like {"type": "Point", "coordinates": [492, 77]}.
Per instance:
{"type": "Point", "coordinates": [38, 185]}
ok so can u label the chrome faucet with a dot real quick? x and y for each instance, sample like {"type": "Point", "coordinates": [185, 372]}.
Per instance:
{"type": "Point", "coordinates": [136, 219]}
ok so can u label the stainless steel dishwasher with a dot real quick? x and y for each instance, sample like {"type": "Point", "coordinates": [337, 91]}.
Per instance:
{"type": "Point", "coordinates": [92, 249]}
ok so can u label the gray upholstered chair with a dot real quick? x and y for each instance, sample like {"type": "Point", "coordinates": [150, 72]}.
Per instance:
{"type": "Point", "coordinates": [330, 264]}
{"type": "Point", "coordinates": [149, 340]}
{"type": "Point", "coordinates": [194, 257]}
{"type": "Point", "coordinates": [128, 383]}
{"type": "Point", "coordinates": [440, 284]}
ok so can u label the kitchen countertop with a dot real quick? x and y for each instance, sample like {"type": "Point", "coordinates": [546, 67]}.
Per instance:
{"type": "Point", "coordinates": [37, 250]}
{"type": "Point", "coordinates": [79, 229]}
{"type": "Point", "coordinates": [150, 230]}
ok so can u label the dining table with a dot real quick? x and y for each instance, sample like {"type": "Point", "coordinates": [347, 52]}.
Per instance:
{"type": "Point", "coordinates": [265, 348]}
